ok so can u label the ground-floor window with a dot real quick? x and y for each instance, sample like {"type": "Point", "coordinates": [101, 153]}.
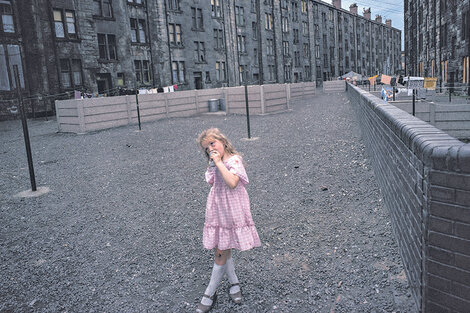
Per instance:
{"type": "Point", "coordinates": [10, 55]}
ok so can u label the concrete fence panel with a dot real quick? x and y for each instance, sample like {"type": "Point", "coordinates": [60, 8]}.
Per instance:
{"type": "Point", "coordinates": [83, 115]}
{"type": "Point", "coordinates": [452, 119]}
{"type": "Point", "coordinates": [424, 177]}
{"type": "Point", "coordinates": [334, 86]}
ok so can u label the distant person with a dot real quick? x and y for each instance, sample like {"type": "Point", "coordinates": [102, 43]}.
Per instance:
{"type": "Point", "coordinates": [228, 224]}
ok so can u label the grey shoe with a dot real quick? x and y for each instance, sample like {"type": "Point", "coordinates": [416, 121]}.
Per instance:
{"type": "Point", "coordinates": [201, 308]}
{"type": "Point", "coordinates": [237, 296]}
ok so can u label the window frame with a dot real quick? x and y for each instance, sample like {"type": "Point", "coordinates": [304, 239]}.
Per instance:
{"type": "Point", "coordinates": [107, 46]}
{"type": "Point", "coordinates": [71, 73]}
{"type": "Point", "coordinates": [65, 24]}
{"type": "Point", "coordinates": [101, 4]}
{"type": "Point", "coordinates": [11, 14]}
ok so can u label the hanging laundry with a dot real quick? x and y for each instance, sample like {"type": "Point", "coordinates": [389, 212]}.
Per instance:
{"type": "Point", "coordinates": [430, 83]}
{"type": "Point", "coordinates": [77, 94]}
{"type": "Point", "coordinates": [386, 79]}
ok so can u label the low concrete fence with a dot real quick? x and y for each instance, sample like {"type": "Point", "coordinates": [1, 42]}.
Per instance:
{"type": "Point", "coordinates": [81, 116]}
{"type": "Point", "coordinates": [424, 177]}
{"type": "Point", "coordinates": [334, 86]}
{"type": "Point", "coordinates": [454, 119]}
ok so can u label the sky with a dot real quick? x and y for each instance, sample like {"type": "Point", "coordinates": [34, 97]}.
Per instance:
{"type": "Point", "coordinates": [388, 9]}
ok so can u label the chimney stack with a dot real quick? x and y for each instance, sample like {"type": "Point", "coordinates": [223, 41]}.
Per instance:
{"type": "Point", "coordinates": [367, 14]}
{"type": "Point", "coordinates": [388, 22]}
{"type": "Point", "coordinates": [353, 8]}
{"type": "Point", "coordinates": [378, 18]}
{"type": "Point", "coordinates": [337, 4]}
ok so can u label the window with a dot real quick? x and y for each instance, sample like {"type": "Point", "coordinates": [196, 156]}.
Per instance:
{"type": "Point", "coordinates": [208, 77]}
{"type": "Point", "coordinates": [295, 12]}
{"type": "Point", "coordinates": [444, 71]}
{"type": "Point", "coordinates": [296, 36]}
{"type": "Point", "coordinates": [71, 73]}
{"type": "Point", "coordinates": [317, 51]}
{"type": "Point", "coordinates": [7, 25]}
{"type": "Point", "coordinates": [325, 60]}
{"type": "Point", "coordinates": [137, 31]}
{"type": "Point", "coordinates": [64, 24]}
{"type": "Point", "coordinates": [304, 6]}
{"type": "Point", "coordinates": [268, 21]}
{"type": "Point", "coordinates": [120, 79]}
{"type": "Point", "coordinates": [177, 68]}
{"type": "Point", "coordinates": [218, 39]}
{"type": "Point", "coordinates": [254, 28]}
{"type": "Point", "coordinates": [139, 2]}
{"type": "Point", "coordinates": [198, 23]}
{"type": "Point", "coordinates": [296, 58]}
{"type": "Point", "coordinates": [285, 48]}
{"type": "Point", "coordinates": [243, 73]}
{"type": "Point", "coordinates": [270, 47]}
{"type": "Point", "coordinates": [107, 46]}
{"type": "Point", "coordinates": [216, 8]}
{"type": "Point", "coordinates": [241, 44]}
{"type": "Point", "coordinates": [305, 28]}
{"type": "Point", "coordinates": [220, 71]}
{"type": "Point", "coordinates": [287, 73]}
{"type": "Point", "coordinates": [271, 73]}
{"type": "Point", "coordinates": [307, 72]}
{"type": "Point", "coordinates": [466, 68]}
{"type": "Point", "coordinates": [174, 5]}
{"type": "Point", "coordinates": [255, 57]}
{"type": "Point", "coordinates": [102, 8]}
{"type": "Point", "coordinates": [10, 55]}
{"type": "Point", "coordinates": [239, 16]}
{"type": "Point", "coordinates": [285, 24]}
{"type": "Point", "coordinates": [306, 50]}
{"type": "Point", "coordinates": [200, 51]}
{"type": "Point", "coordinates": [175, 34]}
{"type": "Point", "coordinates": [142, 71]}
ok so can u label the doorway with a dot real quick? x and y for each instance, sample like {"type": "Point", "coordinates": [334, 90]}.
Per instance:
{"type": "Point", "coordinates": [198, 80]}
{"type": "Point", "coordinates": [103, 81]}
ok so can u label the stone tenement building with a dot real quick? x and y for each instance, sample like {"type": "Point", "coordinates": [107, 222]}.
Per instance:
{"type": "Point", "coordinates": [100, 45]}
{"type": "Point", "coordinates": [437, 40]}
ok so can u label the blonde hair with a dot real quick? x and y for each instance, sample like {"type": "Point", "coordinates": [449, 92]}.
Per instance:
{"type": "Point", "coordinates": [214, 133]}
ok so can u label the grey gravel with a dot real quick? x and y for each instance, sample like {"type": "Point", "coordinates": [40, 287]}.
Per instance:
{"type": "Point", "coordinates": [121, 228]}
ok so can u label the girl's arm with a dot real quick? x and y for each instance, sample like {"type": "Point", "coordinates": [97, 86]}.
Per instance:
{"type": "Point", "coordinates": [230, 179]}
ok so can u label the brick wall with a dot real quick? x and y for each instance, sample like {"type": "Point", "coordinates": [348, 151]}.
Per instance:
{"type": "Point", "coordinates": [424, 177]}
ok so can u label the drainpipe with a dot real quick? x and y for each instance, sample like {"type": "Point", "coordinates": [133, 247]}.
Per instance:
{"type": "Point", "coordinates": [169, 45]}
{"type": "Point", "coordinates": [150, 42]}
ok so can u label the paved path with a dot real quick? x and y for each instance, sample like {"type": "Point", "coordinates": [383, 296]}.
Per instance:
{"type": "Point", "coordinates": [120, 230]}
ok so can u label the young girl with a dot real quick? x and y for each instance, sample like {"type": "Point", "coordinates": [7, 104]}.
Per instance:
{"type": "Point", "coordinates": [228, 224]}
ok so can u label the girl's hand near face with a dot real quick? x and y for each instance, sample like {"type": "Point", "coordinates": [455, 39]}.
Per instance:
{"type": "Point", "coordinates": [215, 156]}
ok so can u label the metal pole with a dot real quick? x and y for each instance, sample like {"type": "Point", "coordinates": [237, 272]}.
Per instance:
{"type": "Point", "coordinates": [450, 94]}
{"type": "Point", "coordinates": [393, 93]}
{"type": "Point", "coordinates": [247, 108]}
{"type": "Point", "coordinates": [25, 129]}
{"type": "Point", "coordinates": [413, 102]}
{"type": "Point", "coordinates": [369, 85]}
{"type": "Point", "coordinates": [137, 102]}
{"type": "Point", "coordinates": [45, 105]}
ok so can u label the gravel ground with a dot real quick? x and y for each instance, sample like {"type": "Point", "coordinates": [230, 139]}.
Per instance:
{"type": "Point", "coordinates": [121, 228]}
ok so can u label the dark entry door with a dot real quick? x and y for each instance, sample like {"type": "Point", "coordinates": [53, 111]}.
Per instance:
{"type": "Point", "coordinates": [103, 81]}
{"type": "Point", "coordinates": [198, 80]}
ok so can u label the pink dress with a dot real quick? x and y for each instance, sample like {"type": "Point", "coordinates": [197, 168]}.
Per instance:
{"type": "Point", "coordinates": [228, 217]}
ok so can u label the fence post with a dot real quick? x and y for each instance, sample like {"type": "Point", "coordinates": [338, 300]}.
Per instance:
{"type": "Point", "coordinates": [261, 94]}
{"type": "Point", "coordinates": [288, 95]}
{"type": "Point", "coordinates": [129, 110]}
{"type": "Point", "coordinates": [432, 113]}
{"type": "Point", "coordinates": [81, 116]}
